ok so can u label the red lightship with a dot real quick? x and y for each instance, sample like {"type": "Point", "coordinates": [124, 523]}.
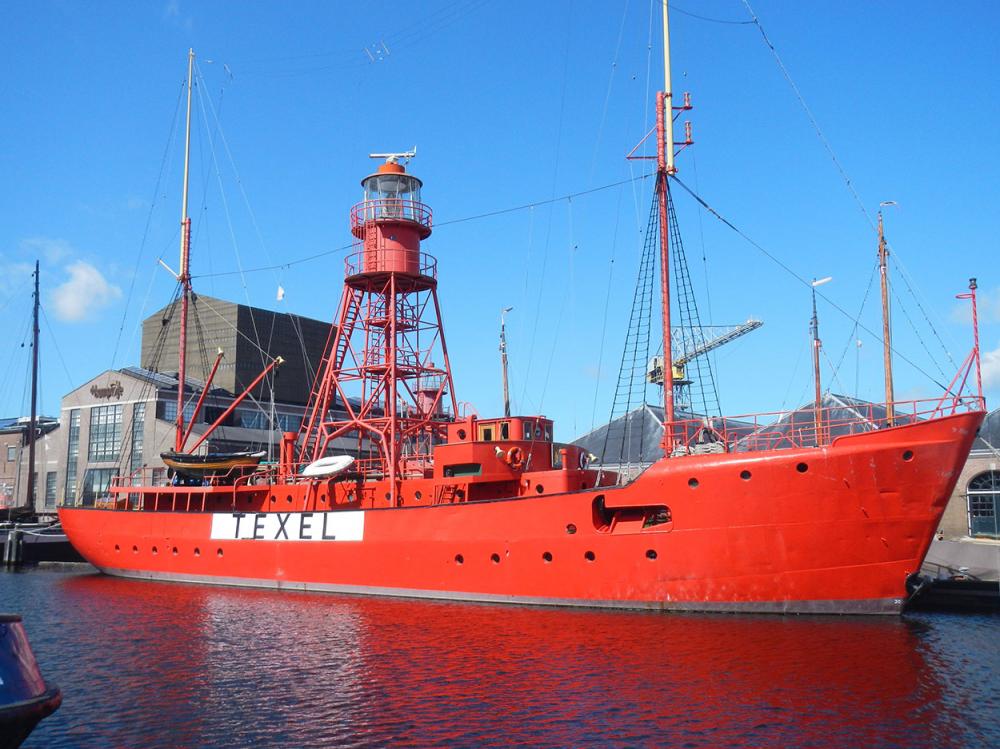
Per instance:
{"type": "Point", "coordinates": [468, 508]}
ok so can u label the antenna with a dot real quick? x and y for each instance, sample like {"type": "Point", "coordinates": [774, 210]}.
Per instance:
{"type": "Point", "coordinates": [395, 158]}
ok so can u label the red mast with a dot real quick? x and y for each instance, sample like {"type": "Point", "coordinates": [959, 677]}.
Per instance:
{"type": "Point", "coordinates": [393, 401]}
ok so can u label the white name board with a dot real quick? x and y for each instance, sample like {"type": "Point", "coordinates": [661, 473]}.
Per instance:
{"type": "Point", "coordinates": [289, 526]}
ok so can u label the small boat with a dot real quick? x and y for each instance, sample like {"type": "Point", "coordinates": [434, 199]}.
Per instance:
{"type": "Point", "coordinates": [329, 466]}
{"type": "Point", "coordinates": [25, 698]}
{"type": "Point", "coordinates": [211, 464]}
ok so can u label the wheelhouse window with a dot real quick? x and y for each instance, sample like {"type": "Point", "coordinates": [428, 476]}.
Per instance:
{"type": "Point", "coordinates": [984, 502]}
{"type": "Point", "coordinates": [105, 433]}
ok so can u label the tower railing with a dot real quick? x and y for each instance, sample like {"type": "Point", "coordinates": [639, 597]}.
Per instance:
{"type": "Point", "coordinates": [385, 260]}
{"type": "Point", "coordinates": [390, 209]}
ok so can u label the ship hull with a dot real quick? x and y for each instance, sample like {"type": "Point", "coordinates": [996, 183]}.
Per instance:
{"type": "Point", "coordinates": [836, 529]}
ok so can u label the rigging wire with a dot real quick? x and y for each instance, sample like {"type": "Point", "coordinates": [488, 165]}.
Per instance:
{"type": "Point", "coordinates": [683, 12]}
{"type": "Point", "coordinates": [607, 94]}
{"type": "Point", "coordinates": [55, 345]}
{"type": "Point", "coordinates": [607, 307]}
{"type": "Point", "coordinates": [548, 229]}
{"type": "Point", "coordinates": [854, 330]}
{"type": "Point", "coordinates": [898, 264]}
{"type": "Point", "coordinates": [149, 219]}
{"type": "Point", "coordinates": [799, 278]}
{"type": "Point", "coordinates": [812, 118]}
{"type": "Point", "coordinates": [840, 168]}
{"type": "Point", "coordinates": [437, 225]}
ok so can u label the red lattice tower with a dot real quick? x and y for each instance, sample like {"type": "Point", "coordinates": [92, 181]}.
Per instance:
{"type": "Point", "coordinates": [392, 400]}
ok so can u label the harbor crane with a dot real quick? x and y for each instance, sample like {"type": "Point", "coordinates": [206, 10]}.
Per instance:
{"type": "Point", "coordinates": [693, 343]}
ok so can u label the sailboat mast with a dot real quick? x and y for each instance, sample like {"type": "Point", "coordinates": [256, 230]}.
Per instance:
{"type": "Point", "coordinates": [185, 274]}
{"type": "Point", "coordinates": [33, 423]}
{"type": "Point", "coordinates": [665, 167]}
{"type": "Point", "coordinates": [883, 254]}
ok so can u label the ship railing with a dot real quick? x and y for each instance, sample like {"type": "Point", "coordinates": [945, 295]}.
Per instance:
{"type": "Point", "coordinates": [390, 209]}
{"type": "Point", "coordinates": [386, 259]}
{"type": "Point", "coordinates": [808, 427]}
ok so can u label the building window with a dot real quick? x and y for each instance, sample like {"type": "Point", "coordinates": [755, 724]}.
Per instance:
{"type": "Point", "coordinates": [50, 489]}
{"type": "Point", "coordinates": [95, 484]}
{"type": "Point", "coordinates": [138, 424]}
{"type": "Point", "coordinates": [984, 502]}
{"type": "Point", "coordinates": [72, 455]}
{"type": "Point", "coordinates": [170, 411]}
{"type": "Point", "coordinates": [11, 453]}
{"type": "Point", "coordinates": [105, 432]}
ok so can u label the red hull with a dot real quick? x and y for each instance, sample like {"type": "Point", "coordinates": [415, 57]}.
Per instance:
{"type": "Point", "coordinates": [836, 529]}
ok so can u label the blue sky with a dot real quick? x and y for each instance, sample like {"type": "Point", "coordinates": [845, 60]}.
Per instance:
{"type": "Point", "coordinates": [508, 104]}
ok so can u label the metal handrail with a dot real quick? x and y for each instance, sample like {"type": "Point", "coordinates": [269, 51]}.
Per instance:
{"type": "Point", "coordinates": [390, 209]}
{"type": "Point", "coordinates": [796, 429]}
{"type": "Point", "coordinates": [377, 260]}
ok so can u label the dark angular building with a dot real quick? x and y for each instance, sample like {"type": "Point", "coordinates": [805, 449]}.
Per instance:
{"type": "Point", "coordinates": [236, 328]}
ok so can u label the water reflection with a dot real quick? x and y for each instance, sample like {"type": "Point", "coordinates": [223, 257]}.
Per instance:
{"type": "Point", "coordinates": [160, 664]}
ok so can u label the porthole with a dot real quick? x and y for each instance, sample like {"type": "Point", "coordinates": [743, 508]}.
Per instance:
{"type": "Point", "coordinates": [459, 559]}
{"type": "Point", "coordinates": [693, 483]}
{"type": "Point", "coordinates": [539, 488]}
{"type": "Point", "coordinates": [273, 499]}
{"type": "Point", "coordinates": [288, 499]}
{"type": "Point", "coordinates": [388, 496]}
{"type": "Point", "coordinates": [197, 552]}
{"type": "Point", "coordinates": [802, 467]}
{"type": "Point", "coordinates": [174, 551]}
{"type": "Point", "coordinates": [495, 558]}
{"type": "Point", "coordinates": [218, 553]}
{"type": "Point", "coordinates": [589, 556]}
{"type": "Point", "coordinates": [908, 456]}
{"type": "Point", "coordinates": [118, 548]}
{"type": "Point", "coordinates": [418, 495]}
{"type": "Point", "coordinates": [155, 550]}
{"type": "Point", "coordinates": [461, 434]}
{"type": "Point", "coordinates": [547, 557]}
{"type": "Point", "coordinates": [135, 549]}
{"type": "Point", "coordinates": [745, 475]}
{"type": "Point", "coordinates": [571, 529]}
{"type": "Point", "coordinates": [650, 553]}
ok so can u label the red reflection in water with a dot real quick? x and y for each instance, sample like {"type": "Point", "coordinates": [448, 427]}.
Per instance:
{"type": "Point", "coordinates": [220, 666]}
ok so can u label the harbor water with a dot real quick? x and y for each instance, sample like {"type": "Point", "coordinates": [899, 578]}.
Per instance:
{"type": "Point", "coordinates": [145, 664]}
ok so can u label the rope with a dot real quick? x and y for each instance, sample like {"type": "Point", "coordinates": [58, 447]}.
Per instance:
{"type": "Point", "coordinates": [800, 279]}
{"type": "Point", "coordinates": [812, 118]}
{"type": "Point", "coordinates": [706, 18]}
{"type": "Point", "coordinates": [852, 337]}
{"type": "Point", "coordinates": [149, 219]}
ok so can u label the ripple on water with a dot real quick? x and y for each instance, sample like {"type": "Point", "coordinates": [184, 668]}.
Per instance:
{"type": "Point", "coordinates": [154, 664]}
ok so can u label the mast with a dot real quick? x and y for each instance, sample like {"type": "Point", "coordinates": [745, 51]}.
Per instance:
{"type": "Point", "coordinates": [33, 423]}
{"type": "Point", "coordinates": [883, 254]}
{"type": "Point", "coordinates": [664, 168]}
{"type": "Point", "coordinates": [816, 346]}
{"type": "Point", "coordinates": [185, 272]}
{"type": "Point", "coordinates": [503, 362]}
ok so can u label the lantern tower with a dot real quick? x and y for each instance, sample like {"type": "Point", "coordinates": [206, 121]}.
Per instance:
{"type": "Point", "coordinates": [386, 364]}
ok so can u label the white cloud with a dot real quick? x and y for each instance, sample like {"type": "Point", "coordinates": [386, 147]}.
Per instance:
{"type": "Point", "coordinates": [84, 293]}
{"type": "Point", "coordinates": [15, 277]}
{"type": "Point", "coordinates": [52, 250]}
{"type": "Point", "coordinates": [991, 368]}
